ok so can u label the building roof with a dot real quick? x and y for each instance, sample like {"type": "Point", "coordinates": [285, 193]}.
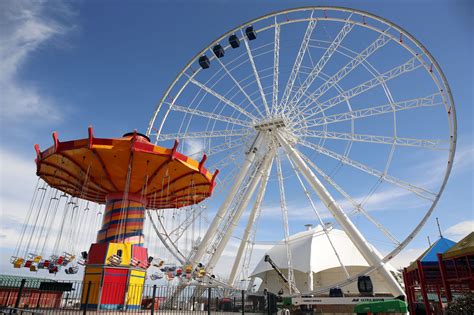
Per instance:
{"type": "Point", "coordinates": [430, 255]}
{"type": "Point", "coordinates": [439, 247]}
{"type": "Point", "coordinates": [14, 281]}
{"type": "Point", "coordinates": [313, 252]}
{"type": "Point", "coordinates": [463, 247]}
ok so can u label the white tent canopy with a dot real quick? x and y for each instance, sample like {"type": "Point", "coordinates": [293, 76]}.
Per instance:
{"type": "Point", "coordinates": [315, 263]}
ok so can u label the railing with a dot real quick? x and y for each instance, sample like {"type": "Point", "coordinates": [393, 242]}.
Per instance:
{"type": "Point", "coordinates": [75, 297]}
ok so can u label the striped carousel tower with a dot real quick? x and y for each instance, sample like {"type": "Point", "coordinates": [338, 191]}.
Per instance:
{"type": "Point", "coordinates": [129, 175]}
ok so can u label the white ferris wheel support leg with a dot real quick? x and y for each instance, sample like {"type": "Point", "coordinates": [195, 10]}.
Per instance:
{"type": "Point", "coordinates": [221, 213]}
{"type": "Point", "coordinates": [357, 238]}
{"type": "Point", "coordinates": [250, 223]}
{"type": "Point", "coordinates": [241, 206]}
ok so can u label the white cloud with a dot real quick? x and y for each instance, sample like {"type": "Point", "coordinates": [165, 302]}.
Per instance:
{"type": "Point", "coordinates": [17, 182]}
{"type": "Point", "coordinates": [460, 230]}
{"type": "Point", "coordinates": [405, 257]}
{"type": "Point", "coordinates": [24, 30]}
{"type": "Point", "coordinates": [194, 148]}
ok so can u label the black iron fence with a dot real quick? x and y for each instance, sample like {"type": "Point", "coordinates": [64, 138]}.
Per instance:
{"type": "Point", "coordinates": [75, 297]}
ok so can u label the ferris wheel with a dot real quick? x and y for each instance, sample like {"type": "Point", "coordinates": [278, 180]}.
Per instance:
{"type": "Point", "coordinates": [314, 114]}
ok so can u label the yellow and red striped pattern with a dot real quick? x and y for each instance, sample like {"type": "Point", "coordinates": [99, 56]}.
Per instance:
{"type": "Point", "coordinates": [122, 222]}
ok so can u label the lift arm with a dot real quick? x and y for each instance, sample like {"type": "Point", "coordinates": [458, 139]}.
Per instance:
{"type": "Point", "coordinates": [278, 271]}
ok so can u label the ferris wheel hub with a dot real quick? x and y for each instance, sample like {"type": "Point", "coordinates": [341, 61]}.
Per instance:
{"type": "Point", "coordinates": [270, 124]}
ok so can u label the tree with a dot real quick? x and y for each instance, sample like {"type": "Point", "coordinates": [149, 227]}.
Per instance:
{"type": "Point", "coordinates": [463, 304]}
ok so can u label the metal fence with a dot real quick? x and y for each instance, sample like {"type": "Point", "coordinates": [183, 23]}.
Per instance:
{"type": "Point", "coordinates": [76, 297]}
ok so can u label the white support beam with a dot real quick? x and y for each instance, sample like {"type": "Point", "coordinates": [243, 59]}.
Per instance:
{"type": "Point", "coordinates": [238, 85]}
{"type": "Point", "coordinates": [411, 65]}
{"type": "Point", "coordinates": [400, 141]}
{"type": "Point", "coordinates": [370, 255]}
{"type": "Point", "coordinates": [284, 211]}
{"type": "Point", "coordinates": [299, 59]}
{"type": "Point", "coordinates": [421, 192]}
{"type": "Point", "coordinates": [427, 101]}
{"type": "Point", "coordinates": [210, 116]}
{"type": "Point", "coordinates": [221, 213]}
{"type": "Point", "coordinates": [173, 250]}
{"type": "Point", "coordinates": [241, 206]}
{"type": "Point", "coordinates": [249, 226]}
{"type": "Point", "coordinates": [346, 28]}
{"type": "Point", "coordinates": [255, 72]}
{"type": "Point", "coordinates": [222, 98]}
{"type": "Point", "coordinates": [354, 203]}
{"type": "Point", "coordinates": [345, 70]}
{"type": "Point", "coordinates": [204, 134]}
{"type": "Point", "coordinates": [276, 67]}
{"type": "Point", "coordinates": [313, 206]}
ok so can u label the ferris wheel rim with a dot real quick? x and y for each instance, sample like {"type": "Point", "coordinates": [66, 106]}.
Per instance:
{"type": "Point", "coordinates": [443, 81]}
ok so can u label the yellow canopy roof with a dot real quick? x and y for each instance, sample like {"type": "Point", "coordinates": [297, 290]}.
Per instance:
{"type": "Point", "coordinates": [93, 168]}
{"type": "Point", "coordinates": [463, 247]}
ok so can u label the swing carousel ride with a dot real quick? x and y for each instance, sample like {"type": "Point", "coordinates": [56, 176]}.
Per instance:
{"type": "Point", "coordinates": [316, 102]}
{"type": "Point", "coordinates": [130, 176]}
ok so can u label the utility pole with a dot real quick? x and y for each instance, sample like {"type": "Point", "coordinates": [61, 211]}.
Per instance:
{"type": "Point", "coordinates": [439, 229]}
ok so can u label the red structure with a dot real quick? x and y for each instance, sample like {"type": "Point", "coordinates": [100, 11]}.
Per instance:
{"type": "Point", "coordinates": [437, 282]}
{"type": "Point", "coordinates": [32, 295]}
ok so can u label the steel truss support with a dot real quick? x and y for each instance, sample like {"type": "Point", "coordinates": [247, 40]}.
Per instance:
{"type": "Point", "coordinates": [250, 224]}
{"type": "Point", "coordinates": [369, 254]}
{"type": "Point", "coordinates": [221, 213]}
{"type": "Point", "coordinates": [284, 211]}
{"type": "Point", "coordinates": [347, 27]}
{"type": "Point", "coordinates": [241, 206]}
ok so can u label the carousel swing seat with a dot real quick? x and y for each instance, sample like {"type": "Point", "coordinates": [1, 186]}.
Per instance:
{"type": "Point", "coordinates": [115, 260]}
{"type": "Point", "coordinates": [18, 263]}
{"type": "Point", "coordinates": [34, 257]}
{"type": "Point", "coordinates": [156, 276]}
{"type": "Point", "coordinates": [158, 263]}
{"type": "Point", "coordinates": [71, 270]}
{"type": "Point", "coordinates": [53, 269]}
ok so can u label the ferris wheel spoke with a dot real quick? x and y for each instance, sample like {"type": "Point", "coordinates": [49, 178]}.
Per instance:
{"type": "Point", "coordinates": [185, 224]}
{"type": "Point", "coordinates": [400, 141]}
{"type": "Point", "coordinates": [166, 240]}
{"type": "Point", "coordinates": [284, 210]}
{"type": "Point", "coordinates": [346, 69]}
{"type": "Point", "coordinates": [239, 86]}
{"type": "Point", "coordinates": [299, 59]}
{"type": "Point", "coordinates": [421, 192]}
{"type": "Point", "coordinates": [227, 145]}
{"type": "Point", "coordinates": [211, 116]}
{"type": "Point", "coordinates": [348, 26]}
{"type": "Point", "coordinates": [221, 98]}
{"type": "Point", "coordinates": [315, 210]}
{"type": "Point", "coordinates": [357, 206]}
{"type": "Point", "coordinates": [427, 101]}
{"type": "Point", "coordinates": [204, 134]}
{"type": "Point", "coordinates": [407, 67]}
{"type": "Point", "coordinates": [255, 73]}
{"type": "Point", "coordinates": [276, 67]}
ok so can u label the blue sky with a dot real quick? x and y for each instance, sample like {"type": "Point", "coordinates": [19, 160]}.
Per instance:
{"type": "Point", "coordinates": [67, 65]}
